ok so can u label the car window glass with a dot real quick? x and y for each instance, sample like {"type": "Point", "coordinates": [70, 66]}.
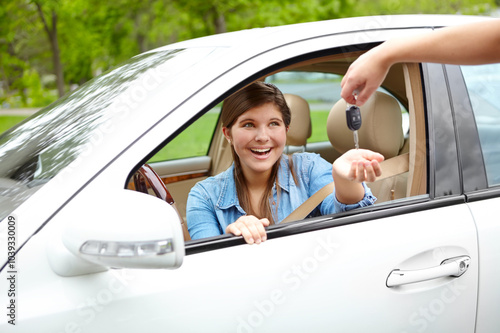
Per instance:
{"type": "Point", "coordinates": [483, 85]}
{"type": "Point", "coordinates": [193, 141]}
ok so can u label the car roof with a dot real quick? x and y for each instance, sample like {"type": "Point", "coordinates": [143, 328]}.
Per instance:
{"type": "Point", "coordinates": [285, 33]}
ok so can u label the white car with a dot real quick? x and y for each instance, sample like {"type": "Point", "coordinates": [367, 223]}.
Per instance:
{"type": "Point", "coordinates": [82, 251]}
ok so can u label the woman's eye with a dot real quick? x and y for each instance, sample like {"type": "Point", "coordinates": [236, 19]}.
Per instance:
{"type": "Point", "coordinates": [248, 125]}
{"type": "Point", "coordinates": [274, 123]}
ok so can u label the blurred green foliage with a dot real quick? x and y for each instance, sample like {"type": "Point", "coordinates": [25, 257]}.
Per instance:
{"type": "Point", "coordinates": [87, 37]}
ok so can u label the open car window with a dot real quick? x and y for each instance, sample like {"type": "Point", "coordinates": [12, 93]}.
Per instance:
{"type": "Point", "coordinates": [200, 150]}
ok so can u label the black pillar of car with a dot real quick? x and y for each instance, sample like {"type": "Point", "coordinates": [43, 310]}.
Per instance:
{"type": "Point", "coordinates": [473, 170]}
{"type": "Point", "coordinates": [444, 174]}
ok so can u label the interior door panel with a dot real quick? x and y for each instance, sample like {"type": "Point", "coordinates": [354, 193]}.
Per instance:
{"type": "Point", "coordinates": [181, 175]}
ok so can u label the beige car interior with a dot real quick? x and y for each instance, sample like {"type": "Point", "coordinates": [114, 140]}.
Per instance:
{"type": "Point", "coordinates": [384, 134]}
{"type": "Point", "coordinates": [381, 131]}
{"type": "Point", "coordinates": [300, 126]}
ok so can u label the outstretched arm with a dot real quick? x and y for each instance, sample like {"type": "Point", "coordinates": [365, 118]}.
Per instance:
{"type": "Point", "coordinates": [468, 44]}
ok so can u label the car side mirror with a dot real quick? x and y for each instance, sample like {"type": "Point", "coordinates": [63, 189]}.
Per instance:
{"type": "Point", "coordinates": [127, 230]}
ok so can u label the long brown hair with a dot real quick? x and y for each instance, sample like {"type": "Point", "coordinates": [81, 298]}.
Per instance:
{"type": "Point", "coordinates": [255, 95]}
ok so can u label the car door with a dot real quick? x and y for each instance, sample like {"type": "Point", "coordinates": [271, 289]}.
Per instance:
{"type": "Point", "coordinates": [384, 268]}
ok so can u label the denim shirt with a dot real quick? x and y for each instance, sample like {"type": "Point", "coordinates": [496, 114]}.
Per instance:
{"type": "Point", "coordinates": [213, 203]}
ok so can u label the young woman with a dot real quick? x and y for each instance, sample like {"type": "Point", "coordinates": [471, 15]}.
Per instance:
{"type": "Point", "coordinates": [263, 186]}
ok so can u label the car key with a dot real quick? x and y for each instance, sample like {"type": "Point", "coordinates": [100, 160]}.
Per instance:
{"type": "Point", "coordinates": [353, 117]}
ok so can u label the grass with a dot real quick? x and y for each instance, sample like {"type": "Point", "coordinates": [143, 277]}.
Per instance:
{"type": "Point", "coordinates": [194, 141]}
{"type": "Point", "coordinates": [7, 122]}
{"type": "Point", "coordinates": [318, 121]}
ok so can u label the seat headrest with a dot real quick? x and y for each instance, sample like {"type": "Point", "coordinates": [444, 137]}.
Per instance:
{"type": "Point", "coordinates": [381, 129]}
{"type": "Point", "coordinates": [300, 125]}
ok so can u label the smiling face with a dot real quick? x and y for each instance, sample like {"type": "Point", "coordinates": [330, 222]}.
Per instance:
{"type": "Point", "coordinates": [258, 137]}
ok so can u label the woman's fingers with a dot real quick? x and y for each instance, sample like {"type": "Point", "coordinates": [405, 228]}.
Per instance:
{"type": "Point", "coordinates": [360, 177]}
{"type": "Point", "coordinates": [372, 171]}
{"type": "Point", "coordinates": [359, 165]}
{"type": "Point", "coordinates": [353, 171]}
{"type": "Point", "coordinates": [364, 171]}
{"type": "Point", "coordinates": [377, 168]}
{"type": "Point", "coordinates": [251, 228]}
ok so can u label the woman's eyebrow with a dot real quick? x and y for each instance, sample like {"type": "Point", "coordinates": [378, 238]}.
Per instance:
{"type": "Point", "coordinates": [242, 119]}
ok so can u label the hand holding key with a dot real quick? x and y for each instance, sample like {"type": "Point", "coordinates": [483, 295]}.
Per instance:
{"type": "Point", "coordinates": [356, 165]}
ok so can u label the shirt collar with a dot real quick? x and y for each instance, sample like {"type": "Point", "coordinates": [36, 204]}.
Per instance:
{"type": "Point", "coordinates": [228, 196]}
{"type": "Point", "coordinates": [284, 176]}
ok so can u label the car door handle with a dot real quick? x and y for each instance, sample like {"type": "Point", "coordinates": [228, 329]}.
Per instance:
{"type": "Point", "coordinates": [455, 266]}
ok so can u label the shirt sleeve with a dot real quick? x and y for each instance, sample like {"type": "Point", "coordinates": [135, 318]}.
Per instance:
{"type": "Point", "coordinates": [200, 214]}
{"type": "Point", "coordinates": [368, 199]}
{"type": "Point", "coordinates": [331, 205]}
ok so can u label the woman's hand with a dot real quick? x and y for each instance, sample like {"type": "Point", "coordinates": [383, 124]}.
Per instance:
{"type": "Point", "coordinates": [358, 165]}
{"type": "Point", "coordinates": [250, 227]}
{"type": "Point", "coordinates": [351, 169]}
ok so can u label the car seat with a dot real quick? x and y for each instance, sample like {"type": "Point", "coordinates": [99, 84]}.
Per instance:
{"type": "Point", "coordinates": [381, 131]}
{"type": "Point", "coordinates": [300, 126]}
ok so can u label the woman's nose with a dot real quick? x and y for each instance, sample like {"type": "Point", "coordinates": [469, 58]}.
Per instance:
{"type": "Point", "coordinates": [262, 134]}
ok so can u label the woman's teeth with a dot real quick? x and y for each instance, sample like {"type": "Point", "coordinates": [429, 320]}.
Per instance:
{"type": "Point", "coordinates": [261, 151]}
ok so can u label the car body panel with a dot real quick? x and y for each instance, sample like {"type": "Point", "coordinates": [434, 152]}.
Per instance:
{"type": "Point", "coordinates": [294, 283]}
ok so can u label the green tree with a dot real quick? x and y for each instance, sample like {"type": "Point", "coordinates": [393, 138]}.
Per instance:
{"type": "Point", "coordinates": [388, 7]}
{"type": "Point", "coordinates": [214, 13]}
{"type": "Point", "coordinates": [11, 65]}
{"type": "Point", "coordinates": [275, 12]}
{"type": "Point", "coordinates": [48, 13]}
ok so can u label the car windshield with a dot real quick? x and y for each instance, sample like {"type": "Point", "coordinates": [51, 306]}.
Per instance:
{"type": "Point", "coordinates": [36, 150]}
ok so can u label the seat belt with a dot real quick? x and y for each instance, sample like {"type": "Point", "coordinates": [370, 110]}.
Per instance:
{"type": "Point", "coordinates": [390, 168]}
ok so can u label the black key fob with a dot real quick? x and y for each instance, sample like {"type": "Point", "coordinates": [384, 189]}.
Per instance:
{"type": "Point", "coordinates": [353, 117]}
